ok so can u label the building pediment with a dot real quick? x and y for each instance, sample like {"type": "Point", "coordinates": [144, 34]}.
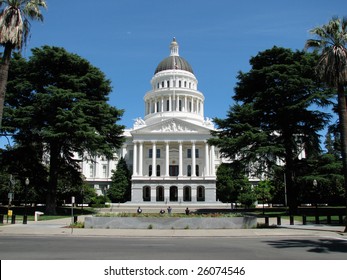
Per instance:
{"type": "Point", "coordinates": [172, 125]}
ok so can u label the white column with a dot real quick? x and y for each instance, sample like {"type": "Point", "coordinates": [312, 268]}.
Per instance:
{"type": "Point", "coordinates": [135, 159]}
{"type": "Point", "coordinates": [153, 193]}
{"type": "Point", "coordinates": [162, 104]}
{"type": "Point", "coordinates": [202, 108]}
{"type": "Point", "coordinates": [170, 104]}
{"type": "Point", "coordinates": [177, 103]}
{"type": "Point", "coordinates": [213, 171]}
{"type": "Point", "coordinates": [207, 167]}
{"type": "Point", "coordinates": [180, 154]}
{"type": "Point", "coordinates": [141, 159]}
{"type": "Point", "coordinates": [185, 104]}
{"type": "Point", "coordinates": [154, 159]}
{"type": "Point", "coordinates": [167, 160]}
{"type": "Point", "coordinates": [194, 194]}
{"type": "Point", "coordinates": [166, 194]}
{"type": "Point", "coordinates": [193, 159]}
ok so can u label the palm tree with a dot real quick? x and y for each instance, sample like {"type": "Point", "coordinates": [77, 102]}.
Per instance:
{"type": "Point", "coordinates": [14, 31]}
{"type": "Point", "coordinates": [331, 40]}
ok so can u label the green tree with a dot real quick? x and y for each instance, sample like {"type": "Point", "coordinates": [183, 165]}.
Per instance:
{"type": "Point", "coordinates": [119, 190]}
{"type": "Point", "coordinates": [331, 41]}
{"type": "Point", "coordinates": [225, 188]}
{"type": "Point", "coordinates": [230, 181]}
{"type": "Point", "coordinates": [14, 31]}
{"type": "Point", "coordinates": [57, 105]}
{"type": "Point", "coordinates": [25, 162]}
{"type": "Point", "coordinates": [264, 192]}
{"type": "Point", "coordinates": [272, 118]}
{"type": "Point", "coordinates": [326, 171]}
{"type": "Point", "coordinates": [247, 196]}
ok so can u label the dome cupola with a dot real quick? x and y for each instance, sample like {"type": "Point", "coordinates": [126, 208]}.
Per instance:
{"type": "Point", "coordinates": [174, 92]}
{"type": "Point", "coordinates": [174, 61]}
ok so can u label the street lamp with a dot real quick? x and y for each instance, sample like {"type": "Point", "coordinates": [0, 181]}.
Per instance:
{"type": "Point", "coordinates": [25, 217]}
{"type": "Point", "coordinates": [315, 184]}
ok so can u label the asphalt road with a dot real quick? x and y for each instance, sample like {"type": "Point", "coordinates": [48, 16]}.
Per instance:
{"type": "Point", "coordinates": [171, 248]}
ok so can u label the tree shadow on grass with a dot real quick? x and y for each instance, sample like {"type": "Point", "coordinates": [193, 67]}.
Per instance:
{"type": "Point", "coordinates": [313, 246]}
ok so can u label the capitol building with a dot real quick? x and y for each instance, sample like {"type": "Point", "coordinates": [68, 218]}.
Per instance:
{"type": "Point", "coordinates": [166, 149]}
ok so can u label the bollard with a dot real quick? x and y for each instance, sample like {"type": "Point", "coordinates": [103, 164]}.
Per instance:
{"type": "Point", "coordinates": [304, 221]}
{"type": "Point", "coordinates": [317, 219]}
{"type": "Point", "coordinates": [25, 219]}
{"type": "Point", "coordinates": [75, 219]}
{"type": "Point", "coordinates": [13, 219]}
{"type": "Point", "coordinates": [1, 219]}
{"type": "Point", "coordinates": [328, 219]}
{"type": "Point", "coordinates": [278, 220]}
{"type": "Point", "coordinates": [291, 218]}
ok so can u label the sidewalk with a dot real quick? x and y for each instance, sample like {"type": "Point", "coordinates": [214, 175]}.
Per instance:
{"type": "Point", "coordinates": [60, 227]}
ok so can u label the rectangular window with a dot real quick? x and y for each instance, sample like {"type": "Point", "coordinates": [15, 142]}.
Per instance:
{"type": "Point", "coordinates": [197, 153]}
{"type": "Point", "coordinates": [189, 153]}
{"type": "Point", "coordinates": [150, 153]}
{"type": "Point", "coordinates": [104, 171]}
{"type": "Point", "coordinates": [91, 171]}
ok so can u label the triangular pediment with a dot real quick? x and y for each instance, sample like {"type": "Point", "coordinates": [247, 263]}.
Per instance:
{"type": "Point", "coordinates": [172, 125]}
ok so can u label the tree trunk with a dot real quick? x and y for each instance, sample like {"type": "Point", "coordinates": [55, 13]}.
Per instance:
{"type": "Point", "coordinates": [51, 202]}
{"type": "Point", "coordinates": [4, 66]}
{"type": "Point", "coordinates": [342, 110]}
{"type": "Point", "coordinates": [292, 194]}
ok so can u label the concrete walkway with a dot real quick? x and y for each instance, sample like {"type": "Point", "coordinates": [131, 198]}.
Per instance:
{"type": "Point", "coordinates": [60, 227]}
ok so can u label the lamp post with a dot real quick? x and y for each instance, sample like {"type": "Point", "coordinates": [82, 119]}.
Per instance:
{"type": "Point", "coordinates": [315, 184]}
{"type": "Point", "coordinates": [25, 217]}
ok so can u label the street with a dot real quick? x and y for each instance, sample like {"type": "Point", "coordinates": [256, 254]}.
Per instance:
{"type": "Point", "coordinates": [169, 248]}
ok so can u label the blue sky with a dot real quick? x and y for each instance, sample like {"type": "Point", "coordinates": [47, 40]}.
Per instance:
{"type": "Point", "coordinates": [127, 39]}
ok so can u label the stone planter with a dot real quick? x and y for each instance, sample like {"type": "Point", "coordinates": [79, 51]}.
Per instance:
{"type": "Point", "coordinates": [170, 223]}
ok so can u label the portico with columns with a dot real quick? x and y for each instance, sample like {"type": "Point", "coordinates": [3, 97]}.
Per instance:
{"type": "Point", "coordinates": [168, 150]}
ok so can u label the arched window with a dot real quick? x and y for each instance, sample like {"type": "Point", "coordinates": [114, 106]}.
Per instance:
{"type": "Point", "coordinates": [187, 196]}
{"type": "Point", "coordinates": [160, 193]}
{"type": "Point", "coordinates": [173, 193]}
{"type": "Point", "coordinates": [200, 193]}
{"type": "Point", "coordinates": [168, 83]}
{"type": "Point", "coordinates": [146, 193]}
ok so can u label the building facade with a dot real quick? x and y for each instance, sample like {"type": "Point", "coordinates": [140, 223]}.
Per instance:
{"type": "Point", "coordinates": [166, 149]}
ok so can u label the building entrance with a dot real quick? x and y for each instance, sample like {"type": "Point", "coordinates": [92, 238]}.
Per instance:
{"type": "Point", "coordinates": [173, 170]}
